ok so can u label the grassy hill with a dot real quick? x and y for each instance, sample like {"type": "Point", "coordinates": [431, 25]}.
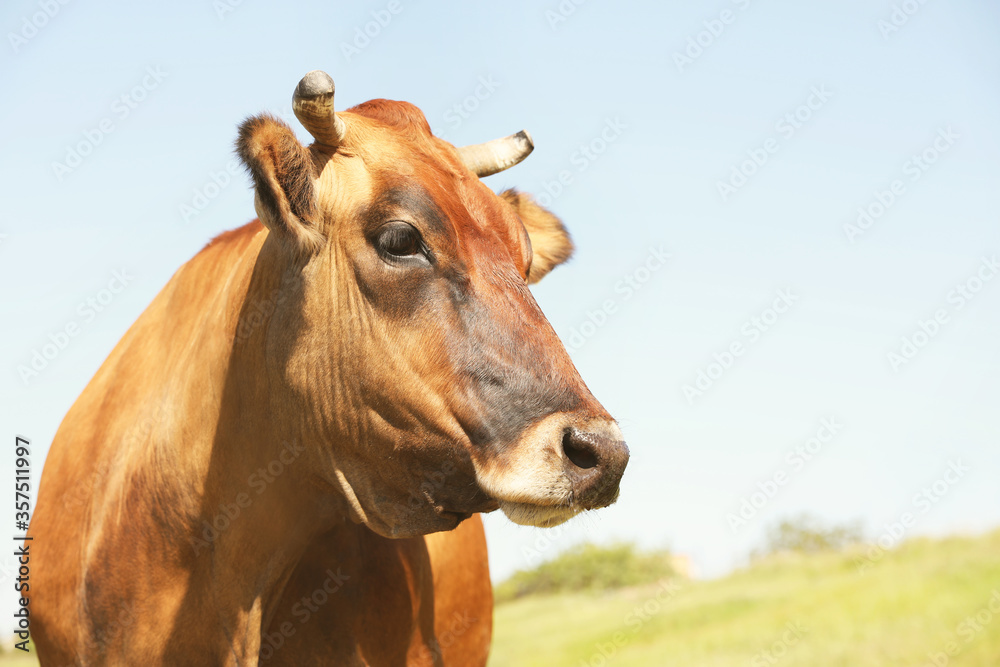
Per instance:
{"type": "Point", "coordinates": [910, 606]}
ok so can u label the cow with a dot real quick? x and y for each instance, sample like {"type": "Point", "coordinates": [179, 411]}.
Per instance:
{"type": "Point", "coordinates": [283, 459]}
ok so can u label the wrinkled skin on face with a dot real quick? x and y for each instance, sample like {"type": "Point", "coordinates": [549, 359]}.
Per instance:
{"type": "Point", "coordinates": [409, 339]}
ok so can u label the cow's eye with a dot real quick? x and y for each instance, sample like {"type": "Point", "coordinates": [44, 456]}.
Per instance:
{"type": "Point", "coordinates": [399, 239]}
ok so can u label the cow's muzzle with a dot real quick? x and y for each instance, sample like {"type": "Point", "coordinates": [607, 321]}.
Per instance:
{"type": "Point", "coordinates": [563, 465]}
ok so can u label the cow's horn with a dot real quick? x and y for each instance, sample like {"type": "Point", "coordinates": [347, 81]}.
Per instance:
{"type": "Point", "coordinates": [497, 155]}
{"type": "Point", "coordinates": [313, 106]}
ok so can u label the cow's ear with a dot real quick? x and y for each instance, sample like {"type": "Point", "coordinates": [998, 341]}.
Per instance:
{"type": "Point", "coordinates": [550, 242]}
{"type": "Point", "coordinates": [282, 172]}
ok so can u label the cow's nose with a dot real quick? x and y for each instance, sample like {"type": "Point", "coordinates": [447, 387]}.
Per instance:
{"type": "Point", "coordinates": [594, 461]}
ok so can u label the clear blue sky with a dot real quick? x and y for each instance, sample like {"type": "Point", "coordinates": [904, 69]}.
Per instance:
{"type": "Point", "coordinates": [673, 130]}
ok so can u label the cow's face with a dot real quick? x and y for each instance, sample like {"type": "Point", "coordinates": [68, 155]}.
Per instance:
{"type": "Point", "coordinates": [413, 352]}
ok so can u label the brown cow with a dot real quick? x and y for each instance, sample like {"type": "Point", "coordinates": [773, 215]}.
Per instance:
{"type": "Point", "coordinates": [264, 449]}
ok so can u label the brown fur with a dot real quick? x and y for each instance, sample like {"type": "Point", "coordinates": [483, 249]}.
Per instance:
{"type": "Point", "coordinates": [282, 171]}
{"type": "Point", "coordinates": [294, 401]}
{"type": "Point", "coordinates": [550, 242]}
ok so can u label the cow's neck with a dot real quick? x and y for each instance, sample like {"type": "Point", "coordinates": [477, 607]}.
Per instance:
{"type": "Point", "coordinates": [262, 502]}
{"type": "Point", "coordinates": [241, 463]}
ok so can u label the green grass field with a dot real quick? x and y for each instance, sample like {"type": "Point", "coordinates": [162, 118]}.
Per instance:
{"type": "Point", "coordinates": [908, 607]}
{"type": "Point", "coordinates": [18, 659]}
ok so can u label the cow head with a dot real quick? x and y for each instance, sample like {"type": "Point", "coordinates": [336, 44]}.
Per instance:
{"type": "Point", "coordinates": [412, 354]}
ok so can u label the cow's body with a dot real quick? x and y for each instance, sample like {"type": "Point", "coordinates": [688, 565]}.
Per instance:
{"type": "Point", "coordinates": [418, 601]}
{"type": "Point", "coordinates": [130, 407]}
{"type": "Point", "coordinates": [251, 474]}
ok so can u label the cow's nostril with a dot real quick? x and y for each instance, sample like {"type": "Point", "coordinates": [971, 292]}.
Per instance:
{"type": "Point", "coordinates": [579, 452]}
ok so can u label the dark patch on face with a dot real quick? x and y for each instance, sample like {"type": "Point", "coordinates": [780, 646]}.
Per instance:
{"type": "Point", "coordinates": [510, 379]}
{"type": "Point", "coordinates": [407, 201]}
{"type": "Point", "coordinates": [505, 365]}
{"type": "Point", "coordinates": [411, 288]}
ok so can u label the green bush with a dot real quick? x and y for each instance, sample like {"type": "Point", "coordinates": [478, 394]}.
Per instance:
{"type": "Point", "coordinates": [806, 534]}
{"type": "Point", "coordinates": [588, 567]}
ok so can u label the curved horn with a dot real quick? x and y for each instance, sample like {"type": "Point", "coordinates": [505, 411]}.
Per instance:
{"type": "Point", "coordinates": [313, 106]}
{"type": "Point", "coordinates": [497, 155]}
